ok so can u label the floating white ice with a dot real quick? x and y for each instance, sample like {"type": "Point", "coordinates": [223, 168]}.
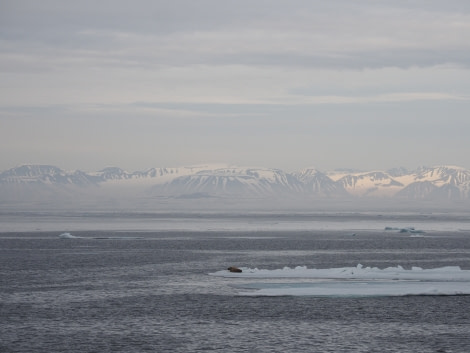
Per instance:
{"type": "Point", "coordinates": [67, 236]}
{"type": "Point", "coordinates": [354, 281]}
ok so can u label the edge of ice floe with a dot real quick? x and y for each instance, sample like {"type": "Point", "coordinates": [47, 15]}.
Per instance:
{"type": "Point", "coordinates": [447, 273]}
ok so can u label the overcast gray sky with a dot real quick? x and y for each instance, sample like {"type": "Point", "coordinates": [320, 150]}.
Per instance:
{"type": "Point", "coordinates": [285, 84]}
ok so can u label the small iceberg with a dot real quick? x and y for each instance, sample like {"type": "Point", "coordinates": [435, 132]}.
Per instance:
{"type": "Point", "coordinates": [67, 235]}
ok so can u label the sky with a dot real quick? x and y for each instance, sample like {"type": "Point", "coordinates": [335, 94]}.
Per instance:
{"type": "Point", "coordinates": [364, 84]}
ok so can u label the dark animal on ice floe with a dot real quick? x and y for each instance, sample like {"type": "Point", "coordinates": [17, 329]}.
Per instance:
{"type": "Point", "coordinates": [234, 269]}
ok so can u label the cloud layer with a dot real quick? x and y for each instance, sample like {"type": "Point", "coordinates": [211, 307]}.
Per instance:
{"type": "Point", "coordinates": [215, 75]}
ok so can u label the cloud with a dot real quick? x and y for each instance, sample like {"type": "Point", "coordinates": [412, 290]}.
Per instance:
{"type": "Point", "coordinates": [230, 69]}
{"type": "Point", "coordinates": [257, 33]}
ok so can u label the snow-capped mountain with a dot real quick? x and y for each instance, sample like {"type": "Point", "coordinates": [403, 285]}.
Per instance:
{"type": "Point", "coordinates": [318, 183]}
{"type": "Point", "coordinates": [150, 176]}
{"type": "Point", "coordinates": [46, 174]}
{"type": "Point", "coordinates": [442, 182]}
{"type": "Point", "coordinates": [234, 181]}
{"type": "Point", "coordinates": [424, 183]}
{"type": "Point", "coordinates": [370, 184]}
{"type": "Point", "coordinates": [443, 175]}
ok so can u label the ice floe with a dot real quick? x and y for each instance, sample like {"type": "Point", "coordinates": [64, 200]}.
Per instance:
{"type": "Point", "coordinates": [352, 281]}
{"type": "Point", "coordinates": [448, 273]}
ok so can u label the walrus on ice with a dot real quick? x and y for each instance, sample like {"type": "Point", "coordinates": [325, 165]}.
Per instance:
{"type": "Point", "coordinates": [234, 269]}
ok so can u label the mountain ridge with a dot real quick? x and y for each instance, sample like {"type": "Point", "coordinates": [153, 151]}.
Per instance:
{"type": "Point", "coordinates": [443, 182]}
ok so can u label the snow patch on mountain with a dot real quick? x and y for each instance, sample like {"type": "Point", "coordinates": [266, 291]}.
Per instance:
{"type": "Point", "coordinates": [444, 175]}
{"type": "Point", "coordinates": [375, 183]}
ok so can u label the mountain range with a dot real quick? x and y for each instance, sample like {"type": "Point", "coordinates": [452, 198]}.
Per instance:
{"type": "Point", "coordinates": [42, 182]}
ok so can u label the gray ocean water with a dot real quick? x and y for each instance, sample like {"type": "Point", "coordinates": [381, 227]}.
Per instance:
{"type": "Point", "coordinates": [149, 291]}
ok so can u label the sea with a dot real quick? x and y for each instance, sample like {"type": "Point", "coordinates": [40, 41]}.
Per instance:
{"type": "Point", "coordinates": [141, 282]}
